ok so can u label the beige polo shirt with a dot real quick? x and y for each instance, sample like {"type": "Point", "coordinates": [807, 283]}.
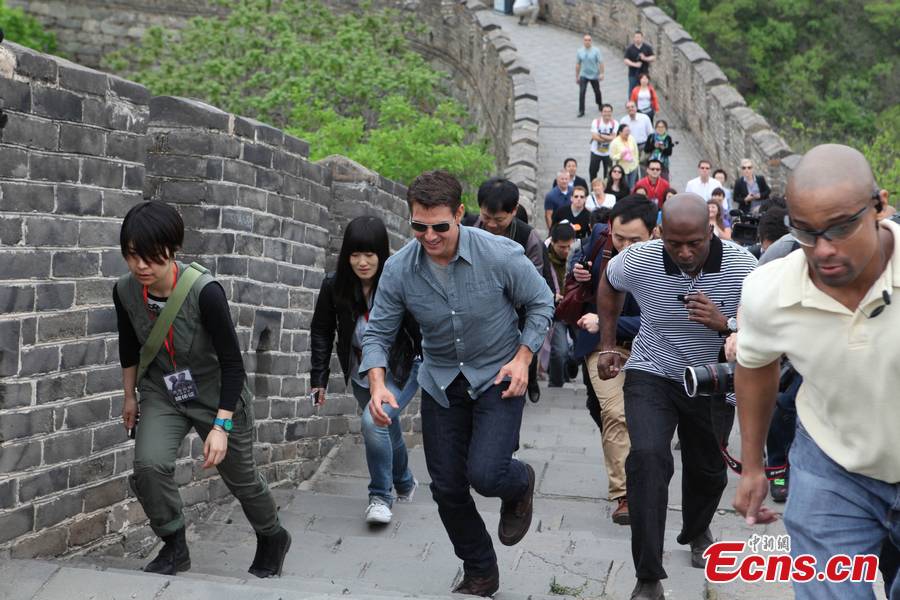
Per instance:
{"type": "Point", "coordinates": [850, 398]}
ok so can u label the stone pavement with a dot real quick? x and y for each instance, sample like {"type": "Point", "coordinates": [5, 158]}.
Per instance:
{"type": "Point", "coordinates": [549, 52]}
{"type": "Point", "coordinates": [572, 551]}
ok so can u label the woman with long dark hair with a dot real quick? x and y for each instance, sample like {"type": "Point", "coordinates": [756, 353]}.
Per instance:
{"type": "Point", "coordinates": [616, 184]}
{"type": "Point", "coordinates": [343, 306]}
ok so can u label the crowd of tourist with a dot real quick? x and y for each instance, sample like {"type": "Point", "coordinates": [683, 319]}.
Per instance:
{"type": "Point", "coordinates": [633, 283]}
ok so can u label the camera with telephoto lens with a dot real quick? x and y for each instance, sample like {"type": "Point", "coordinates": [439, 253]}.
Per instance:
{"type": "Point", "coordinates": [716, 379]}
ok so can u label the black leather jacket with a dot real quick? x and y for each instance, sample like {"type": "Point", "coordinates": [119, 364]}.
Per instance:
{"type": "Point", "coordinates": [328, 319]}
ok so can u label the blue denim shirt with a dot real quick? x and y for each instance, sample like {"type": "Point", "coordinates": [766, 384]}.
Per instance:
{"type": "Point", "coordinates": [471, 328]}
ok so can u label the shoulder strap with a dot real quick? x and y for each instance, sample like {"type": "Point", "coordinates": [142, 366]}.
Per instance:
{"type": "Point", "coordinates": [605, 247]}
{"type": "Point", "coordinates": [167, 317]}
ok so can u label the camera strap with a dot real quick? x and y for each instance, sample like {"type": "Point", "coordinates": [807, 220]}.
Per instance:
{"type": "Point", "coordinates": [736, 466]}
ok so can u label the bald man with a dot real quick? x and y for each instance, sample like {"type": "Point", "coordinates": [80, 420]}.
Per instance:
{"type": "Point", "coordinates": [687, 285]}
{"type": "Point", "coordinates": [831, 314]}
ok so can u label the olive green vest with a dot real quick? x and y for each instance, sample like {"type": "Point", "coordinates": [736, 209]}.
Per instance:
{"type": "Point", "coordinates": [193, 346]}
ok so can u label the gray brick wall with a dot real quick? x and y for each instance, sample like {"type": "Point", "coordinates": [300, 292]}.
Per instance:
{"type": "Point", "coordinates": [692, 86]}
{"type": "Point", "coordinates": [80, 148]}
{"type": "Point", "coordinates": [462, 38]}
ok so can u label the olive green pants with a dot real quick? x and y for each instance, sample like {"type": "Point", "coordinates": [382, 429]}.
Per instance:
{"type": "Point", "coordinates": [162, 427]}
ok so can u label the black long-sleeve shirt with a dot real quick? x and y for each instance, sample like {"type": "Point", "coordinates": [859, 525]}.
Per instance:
{"type": "Point", "coordinates": [215, 318]}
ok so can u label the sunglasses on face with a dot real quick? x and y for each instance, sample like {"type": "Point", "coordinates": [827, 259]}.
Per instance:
{"type": "Point", "coordinates": [442, 227]}
{"type": "Point", "coordinates": [840, 231]}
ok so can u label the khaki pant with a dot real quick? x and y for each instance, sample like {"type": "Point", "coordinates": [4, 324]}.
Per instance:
{"type": "Point", "coordinates": [614, 436]}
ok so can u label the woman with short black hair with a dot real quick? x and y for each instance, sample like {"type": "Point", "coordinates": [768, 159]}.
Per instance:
{"type": "Point", "coordinates": [189, 373]}
{"type": "Point", "coordinates": [343, 306]}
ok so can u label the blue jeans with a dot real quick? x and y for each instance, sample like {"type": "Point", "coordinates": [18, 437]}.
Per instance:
{"type": "Point", "coordinates": [833, 511]}
{"type": "Point", "coordinates": [470, 444]}
{"type": "Point", "coordinates": [633, 82]}
{"type": "Point", "coordinates": [632, 178]}
{"type": "Point", "coordinates": [386, 453]}
{"type": "Point", "coordinates": [559, 353]}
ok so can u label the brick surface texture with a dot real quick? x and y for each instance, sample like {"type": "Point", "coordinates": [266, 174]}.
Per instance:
{"type": "Point", "coordinates": [460, 37]}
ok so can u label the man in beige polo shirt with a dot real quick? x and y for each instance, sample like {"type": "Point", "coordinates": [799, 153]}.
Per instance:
{"type": "Point", "coordinates": [828, 308]}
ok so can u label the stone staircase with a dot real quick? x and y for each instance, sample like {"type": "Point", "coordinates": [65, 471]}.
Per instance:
{"type": "Point", "coordinates": [573, 551]}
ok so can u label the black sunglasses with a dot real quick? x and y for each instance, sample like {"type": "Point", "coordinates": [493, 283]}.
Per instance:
{"type": "Point", "coordinates": [836, 232]}
{"type": "Point", "coordinates": [442, 227]}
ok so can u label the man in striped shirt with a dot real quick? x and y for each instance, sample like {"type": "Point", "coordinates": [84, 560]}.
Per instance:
{"type": "Point", "coordinates": [688, 287]}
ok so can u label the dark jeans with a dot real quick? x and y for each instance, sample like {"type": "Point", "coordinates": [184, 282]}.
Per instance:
{"type": "Point", "coordinates": [654, 407]}
{"type": "Point", "coordinates": [471, 443]}
{"type": "Point", "coordinates": [582, 88]}
{"type": "Point", "coordinates": [560, 354]}
{"type": "Point", "coordinates": [594, 168]}
{"type": "Point", "coordinates": [633, 82]}
{"type": "Point", "coordinates": [783, 425]}
{"type": "Point", "coordinates": [592, 404]}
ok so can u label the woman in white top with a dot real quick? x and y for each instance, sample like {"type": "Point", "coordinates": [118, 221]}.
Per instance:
{"type": "Point", "coordinates": [644, 96]}
{"type": "Point", "coordinates": [624, 152]}
{"type": "Point", "coordinates": [717, 220]}
{"type": "Point", "coordinates": [599, 198]}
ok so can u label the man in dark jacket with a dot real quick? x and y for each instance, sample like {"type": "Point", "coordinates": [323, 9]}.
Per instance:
{"type": "Point", "coordinates": [498, 204]}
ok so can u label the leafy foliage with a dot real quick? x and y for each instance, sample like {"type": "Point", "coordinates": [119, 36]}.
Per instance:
{"type": "Point", "coordinates": [819, 70]}
{"type": "Point", "coordinates": [25, 30]}
{"type": "Point", "coordinates": [350, 84]}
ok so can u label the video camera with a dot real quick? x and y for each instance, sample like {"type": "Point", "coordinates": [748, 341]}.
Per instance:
{"type": "Point", "coordinates": [744, 227]}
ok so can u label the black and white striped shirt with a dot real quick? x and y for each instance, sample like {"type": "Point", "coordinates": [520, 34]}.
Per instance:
{"type": "Point", "coordinates": [667, 341]}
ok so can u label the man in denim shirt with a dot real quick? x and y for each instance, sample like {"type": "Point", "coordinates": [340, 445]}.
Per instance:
{"type": "Point", "coordinates": [463, 286]}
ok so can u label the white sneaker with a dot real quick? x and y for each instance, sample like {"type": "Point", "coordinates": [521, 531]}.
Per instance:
{"type": "Point", "coordinates": [378, 512]}
{"type": "Point", "coordinates": [408, 496]}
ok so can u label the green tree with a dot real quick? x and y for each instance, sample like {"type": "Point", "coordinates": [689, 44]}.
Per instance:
{"type": "Point", "coordinates": [25, 30]}
{"type": "Point", "coordinates": [350, 84]}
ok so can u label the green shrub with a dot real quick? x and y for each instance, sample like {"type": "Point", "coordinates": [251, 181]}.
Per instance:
{"type": "Point", "coordinates": [350, 84]}
{"type": "Point", "coordinates": [25, 30]}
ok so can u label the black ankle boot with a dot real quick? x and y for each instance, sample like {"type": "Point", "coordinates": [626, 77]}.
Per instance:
{"type": "Point", "coordinates": [270, 553]}
{"type": "Point", "coordinates": [173, 557]}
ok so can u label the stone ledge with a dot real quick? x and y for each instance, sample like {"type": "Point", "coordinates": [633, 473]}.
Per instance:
{"type": "Point", "coordinates": [711, 74]}
{"type": "Point", "coordinates": [748, 119]}
{"type": "Point", "coordinates": [172, 111]}
{"type": "Point", "coordinates": [524, 86]}
{"type": "Point", "coordinates": [727, 96]}
{"type": "Point", "coordinates": [771, 144]}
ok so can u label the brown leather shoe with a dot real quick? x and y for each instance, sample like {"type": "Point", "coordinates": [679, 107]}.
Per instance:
{"type": "Point", "coordinates": [620, 515]}
{"type": "Point", "coordinates": [515, 517]}
{"type": "Point", "coordinates": [486, 585]}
